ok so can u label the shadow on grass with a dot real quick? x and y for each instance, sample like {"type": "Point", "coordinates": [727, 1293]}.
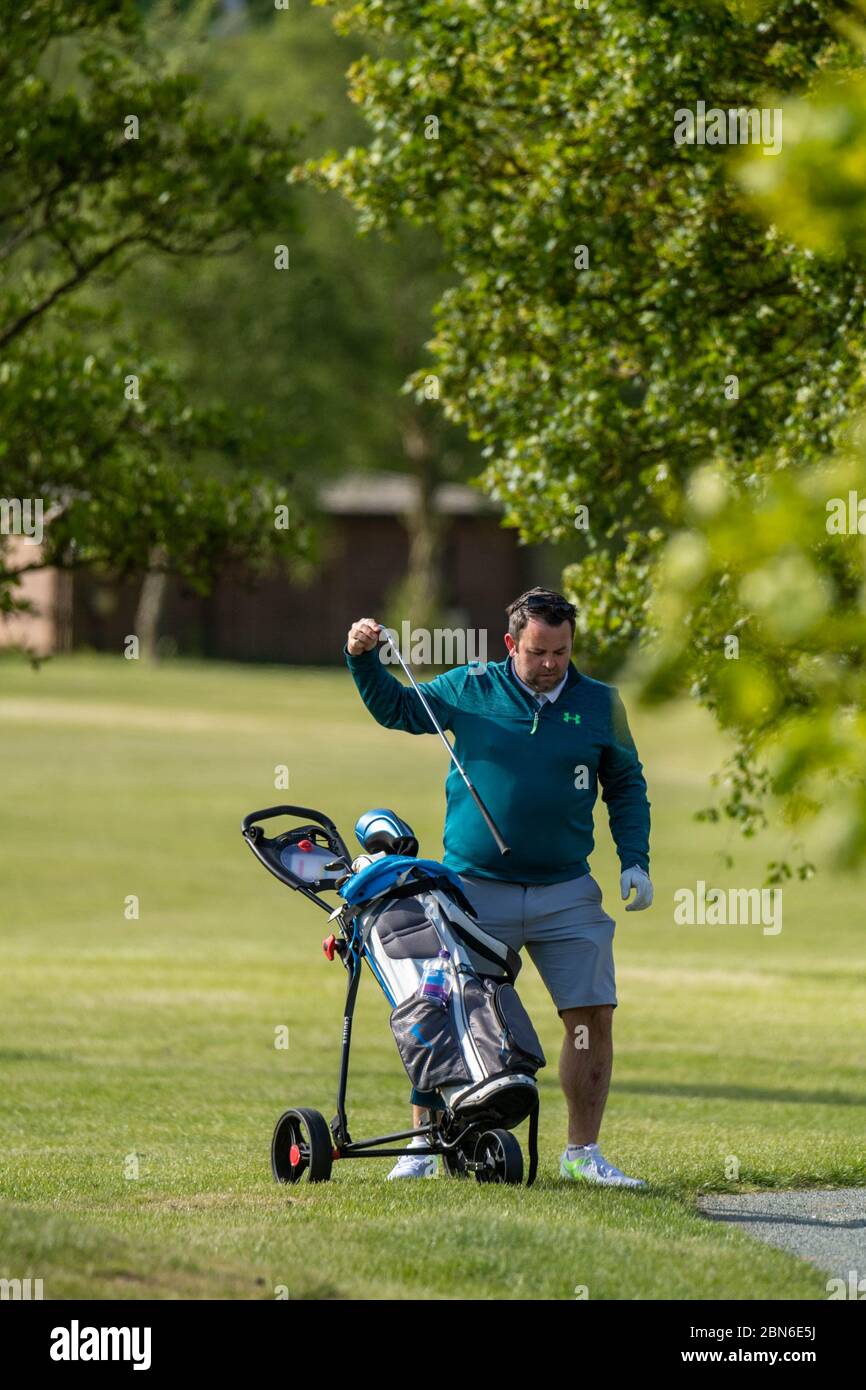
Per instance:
{"type": "Point", "coordinates": [756, 1094]}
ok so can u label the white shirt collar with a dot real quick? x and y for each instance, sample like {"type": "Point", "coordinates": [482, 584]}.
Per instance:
{"type": "Point", "coordinates": [541, 697]}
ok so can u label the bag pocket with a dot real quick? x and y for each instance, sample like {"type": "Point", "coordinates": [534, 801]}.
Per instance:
{"type": "Point", "coordinates": [501, 1028]}
{"type": "Point", "coordinates": [427, 1041]}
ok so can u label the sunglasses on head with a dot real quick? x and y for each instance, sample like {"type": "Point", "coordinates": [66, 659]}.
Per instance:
{"type": "Point", "coordinates": [557, 606]}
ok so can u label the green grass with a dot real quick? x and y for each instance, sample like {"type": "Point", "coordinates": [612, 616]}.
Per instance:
{"type": "Point", "coordinates": [155, 1037]}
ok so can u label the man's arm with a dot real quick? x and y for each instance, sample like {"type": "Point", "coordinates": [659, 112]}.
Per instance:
{"type": "Point", "coordinates": [624, 791]}
{"type": "Point", "coordinates": [397, 706]}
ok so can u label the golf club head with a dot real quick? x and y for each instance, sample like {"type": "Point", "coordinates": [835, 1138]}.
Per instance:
{"type": "Point", "coordinates": [382, 829]}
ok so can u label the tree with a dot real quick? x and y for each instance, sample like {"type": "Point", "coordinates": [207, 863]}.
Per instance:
{"type": "Point", "coordinates": [622, 313]}
{"type": "Point", "coordinates": [323, 352]}
{"type": "Point", "coordinates": [776, 565]}
{"type": "Point", "coordinates": [119, 161]}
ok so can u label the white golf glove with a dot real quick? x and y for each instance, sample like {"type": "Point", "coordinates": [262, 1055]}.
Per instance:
{"type": "Point", "coordinates": [641, 882]}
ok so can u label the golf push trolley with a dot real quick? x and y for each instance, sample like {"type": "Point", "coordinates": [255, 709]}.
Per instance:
{"type": "Point", "coordinates": [477, 1056]}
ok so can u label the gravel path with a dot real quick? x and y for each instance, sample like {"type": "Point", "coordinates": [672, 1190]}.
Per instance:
{"type": "Point", "coordinates": [826, 1227]}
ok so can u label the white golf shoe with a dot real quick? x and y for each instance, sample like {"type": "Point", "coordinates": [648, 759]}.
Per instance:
{"type": "Point", "coordinates": [411, 1165]}
{"type": "Point", "coordinates": [592, 1166]}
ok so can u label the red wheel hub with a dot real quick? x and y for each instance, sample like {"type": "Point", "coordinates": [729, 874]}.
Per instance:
{"type": "Point", "coordinates": [294, 1155]}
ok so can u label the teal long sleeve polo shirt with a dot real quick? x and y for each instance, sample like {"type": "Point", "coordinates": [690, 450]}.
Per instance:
{"type": "Point", "coordinates": [536, 770]}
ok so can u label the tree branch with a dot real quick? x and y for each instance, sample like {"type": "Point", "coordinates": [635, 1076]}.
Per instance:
{"type": "Point", "coordinates": [85, 269]}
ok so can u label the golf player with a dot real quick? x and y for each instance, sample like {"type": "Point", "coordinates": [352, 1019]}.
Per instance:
{"type": "Point", "coordinates": [536, 738]}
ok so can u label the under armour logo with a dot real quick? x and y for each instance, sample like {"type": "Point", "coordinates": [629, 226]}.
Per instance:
{"type": "Point", "coordinates": [575, 718]}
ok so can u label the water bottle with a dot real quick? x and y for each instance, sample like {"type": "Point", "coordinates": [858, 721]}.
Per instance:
{"type": "Point", "coordinates": [437, 980]}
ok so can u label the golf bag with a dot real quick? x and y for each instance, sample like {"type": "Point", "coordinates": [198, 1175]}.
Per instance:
{"type": "Point", "coordinates": [481, 1053]}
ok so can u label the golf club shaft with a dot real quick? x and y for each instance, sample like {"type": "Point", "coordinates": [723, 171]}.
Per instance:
{"type": "Point", "coordinates": [489, 821]}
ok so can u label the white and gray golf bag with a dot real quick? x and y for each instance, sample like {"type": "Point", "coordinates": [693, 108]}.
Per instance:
{"type": "Point", "coordinates": [482, 1052]}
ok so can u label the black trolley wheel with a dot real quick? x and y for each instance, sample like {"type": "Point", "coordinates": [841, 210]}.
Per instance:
{"type": "Point", "coordinates": [499, 1157]}
{"type": "Point", "coordinates": [454, 1164]}
{"type": "Point", "coordinates": [302, 1147]}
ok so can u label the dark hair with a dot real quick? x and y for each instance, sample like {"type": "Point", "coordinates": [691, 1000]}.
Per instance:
{"type": "Point", "coordinates": [545, 604]}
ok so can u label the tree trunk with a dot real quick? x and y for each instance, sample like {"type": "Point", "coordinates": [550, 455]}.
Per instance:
{"type": "Point", "coordinates": [423, 589]}
{"type": "Point", "coordinates": [150, 604]}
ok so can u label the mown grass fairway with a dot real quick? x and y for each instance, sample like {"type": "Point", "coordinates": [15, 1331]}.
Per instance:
{"type": "Point", "coordinates": [155, 1037]}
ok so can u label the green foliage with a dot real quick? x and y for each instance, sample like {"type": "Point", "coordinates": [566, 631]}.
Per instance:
{"type": "Point", "coordinates": [688, 332]}
{"type": "Point", "coordinates": [121, 474]}
{"type": "Point", "coordinates": [759, 608]}
{"type": "Point", "coordinates": [816, 193]}
{"type": "Point", "coordinates": [120, 465]}
{"type": "Point", "coordinates": [781, 559]}
{"type": "Point", "coordinates": [322, 347]}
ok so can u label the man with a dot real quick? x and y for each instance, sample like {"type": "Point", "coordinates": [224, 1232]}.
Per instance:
{"type": "Point", "coordinates": [536, 738]}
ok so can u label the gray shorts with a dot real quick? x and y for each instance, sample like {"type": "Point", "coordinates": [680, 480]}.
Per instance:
{"type": "Point", "coordinates": [564, 928]}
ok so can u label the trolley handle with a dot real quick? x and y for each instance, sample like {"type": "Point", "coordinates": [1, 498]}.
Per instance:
{"type": "Point", "coordinates": [272, 811]}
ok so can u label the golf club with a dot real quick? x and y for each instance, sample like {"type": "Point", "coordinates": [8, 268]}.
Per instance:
{"type": "Point", "coordinates": [491, 824]}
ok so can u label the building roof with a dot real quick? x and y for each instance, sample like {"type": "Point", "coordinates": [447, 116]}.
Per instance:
{"type": "Point", "coordinates": [392, 494]}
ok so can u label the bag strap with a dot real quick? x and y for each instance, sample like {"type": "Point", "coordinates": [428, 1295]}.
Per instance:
{"type": "Point", "coordinates": [473, 944]}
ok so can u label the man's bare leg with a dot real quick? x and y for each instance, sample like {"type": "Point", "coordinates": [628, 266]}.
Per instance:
{"type": "Point", "coordinates": [584, 1068]}
{"type": "Point", "coordinates": [414, 1162]}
